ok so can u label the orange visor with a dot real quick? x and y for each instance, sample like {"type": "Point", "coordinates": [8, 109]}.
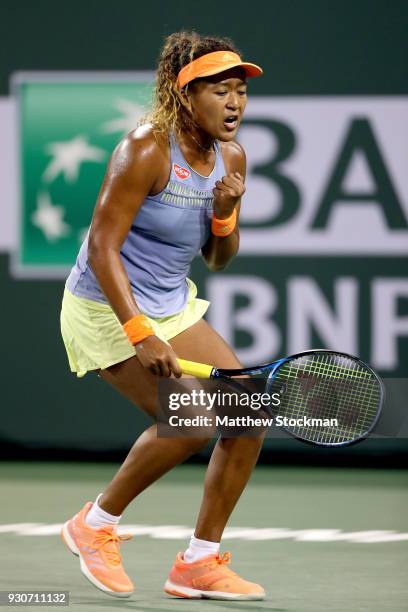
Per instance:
{"type": "Point", "coordinates": [214, 63]}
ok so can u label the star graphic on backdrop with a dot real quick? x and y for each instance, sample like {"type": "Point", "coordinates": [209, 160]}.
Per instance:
{"type": "Point", "coordinates": [131, 113]}
{"type": "Point", "coordinates": [49, 218]}
{"type": "Point", "coordinates": [68, 156]}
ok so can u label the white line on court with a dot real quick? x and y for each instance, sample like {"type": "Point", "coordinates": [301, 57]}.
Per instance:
{"type": "Point", "coordinates": [179, 532]}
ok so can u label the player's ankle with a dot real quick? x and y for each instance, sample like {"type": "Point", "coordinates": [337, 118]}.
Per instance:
{"type": "Point", "coordinates": [198, 549]}
{"type": "Point", "coordinates": [97, 517]}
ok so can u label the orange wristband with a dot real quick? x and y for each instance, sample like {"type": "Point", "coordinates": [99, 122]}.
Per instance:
{"type": "Point", "coordinates": [138, 328]}
{"type": "Point", "coordinates": [224, 227]}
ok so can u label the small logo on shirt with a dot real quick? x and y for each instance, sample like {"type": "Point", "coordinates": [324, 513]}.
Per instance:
{"type": "Point", "coordinates": [181, 172]}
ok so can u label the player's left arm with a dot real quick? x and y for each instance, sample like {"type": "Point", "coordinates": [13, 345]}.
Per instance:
{"type": "Point", "coordinates": [219, 251]}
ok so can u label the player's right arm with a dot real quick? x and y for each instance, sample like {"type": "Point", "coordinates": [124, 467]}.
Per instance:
{"type": "Point", "coordinates": [133, 171]}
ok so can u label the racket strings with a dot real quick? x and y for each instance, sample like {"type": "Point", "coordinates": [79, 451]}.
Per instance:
{"type": "Point", "coordinates": [327, 401]}
{"type": "Point", "coordinates": [324, 386]}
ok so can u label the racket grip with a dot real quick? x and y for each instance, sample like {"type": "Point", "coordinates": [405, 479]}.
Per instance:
{"type": "Point", "coordinates": [192, 368]}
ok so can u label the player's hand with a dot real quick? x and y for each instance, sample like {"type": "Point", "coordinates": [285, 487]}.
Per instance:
{"type": "Point", "coordinates": [158, 357]}
{"type": "Point", "coordinates": [227, 194]}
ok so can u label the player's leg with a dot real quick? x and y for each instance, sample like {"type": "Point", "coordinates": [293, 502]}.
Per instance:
{"type": "Point", "coordinates": [233, 459]}
{"type": "Point", "coordinates": [91, 533]}
{"type": "Point", "coordinates": [150, 456]}
{"type": "Point", "coordinates": [228, 472]}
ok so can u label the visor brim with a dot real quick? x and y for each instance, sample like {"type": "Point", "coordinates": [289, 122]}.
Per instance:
{"type": "Point", "coordinates": [251, 70]}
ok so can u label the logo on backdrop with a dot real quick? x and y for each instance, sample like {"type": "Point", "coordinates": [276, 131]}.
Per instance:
{"type": "Point", "coordinates": [68, 127]}
{"type": "Point", "coordinates": [326, 176]}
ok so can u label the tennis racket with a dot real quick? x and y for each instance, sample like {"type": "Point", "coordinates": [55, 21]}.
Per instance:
{"type": "Point", "coordinates": [315, 387]}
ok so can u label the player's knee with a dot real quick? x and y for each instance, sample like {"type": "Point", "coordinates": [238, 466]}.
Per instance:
{"type": "Point", "coordinates": [252, 440]}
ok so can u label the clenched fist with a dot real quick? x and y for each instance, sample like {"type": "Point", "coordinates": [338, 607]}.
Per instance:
{"type": "Point", "coordinates": [227, 194]}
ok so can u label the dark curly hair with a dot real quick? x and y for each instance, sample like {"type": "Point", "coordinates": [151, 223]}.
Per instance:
{"type": "Point", "coordinates": [179, 49]}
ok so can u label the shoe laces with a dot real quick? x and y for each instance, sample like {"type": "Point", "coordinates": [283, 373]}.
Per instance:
{"type": "Point", "coordinates": [108, 541]}
{"type": "Point", "coordinates": [223, 560]}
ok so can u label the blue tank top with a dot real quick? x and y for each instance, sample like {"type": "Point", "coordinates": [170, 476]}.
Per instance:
{"type": "Point", "coordinates": [166, 234]}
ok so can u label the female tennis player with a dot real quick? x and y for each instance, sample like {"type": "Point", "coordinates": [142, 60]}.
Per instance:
{"type": "Point", "coordinates": [172, 189]}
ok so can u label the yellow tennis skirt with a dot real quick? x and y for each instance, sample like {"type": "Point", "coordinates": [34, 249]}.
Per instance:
{"type": "Point", "coordinates": [94, 338]}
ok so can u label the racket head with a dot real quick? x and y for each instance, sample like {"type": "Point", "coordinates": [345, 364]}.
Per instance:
{"type": "Point", "coordinates": [322, 384]}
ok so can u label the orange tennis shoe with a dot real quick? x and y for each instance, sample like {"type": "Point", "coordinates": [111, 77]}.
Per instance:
{"type": "Point", "coordinates": [209, 578]}
{"type": "Point", "coordinates": [99, 556]}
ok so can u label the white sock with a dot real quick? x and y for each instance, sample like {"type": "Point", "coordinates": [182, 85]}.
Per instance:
{"type": "Point", "coordinates": [97, 517]}
{"type": "Point", "coordinates": [199, 549]}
